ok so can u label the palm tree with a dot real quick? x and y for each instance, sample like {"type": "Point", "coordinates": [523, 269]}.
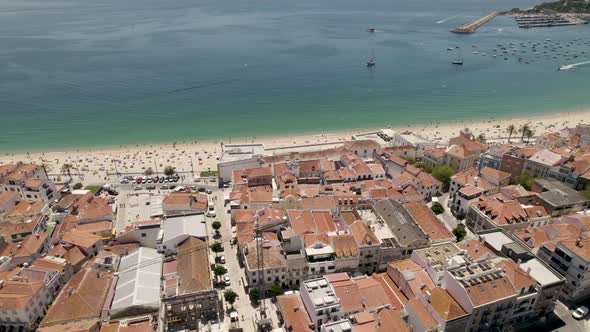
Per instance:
{"type": "Point", "coordinates": [510, 131]}
{"type": "Point", "coordinates": [529, 134]}
{"type": "Point", "coordinates": [481, 138]}
{"type": "Point", "coordinates": [66, 169]}
{"type": "Point", "coordinates": [523, 129]}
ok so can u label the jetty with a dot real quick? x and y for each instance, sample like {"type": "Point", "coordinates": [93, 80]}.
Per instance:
{"type": "Point", "coordinates": [475, 24]}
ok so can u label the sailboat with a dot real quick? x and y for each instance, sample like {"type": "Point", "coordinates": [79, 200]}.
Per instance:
{"type": "Point", "coordinates": [371, 62]}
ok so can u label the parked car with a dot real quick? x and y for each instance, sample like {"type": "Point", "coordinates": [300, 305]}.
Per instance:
{"type": "Point", "coordinates": [164, 187]}
{"type": "Point", "coordinates": [150, 187]}
{"type": "Point", "coordinates": [137, 188]}
{"type": "Point", "coordinates": [149, 180]}
{"type": "Point", "coordinates": [580, 312]}
{"type": "Point", "coordinates": [226, 280]}
{"type": "Point", "coordinates": [162, 178]}
{"type": "Point", "coordinates": [208, 191]}
{"type": "Point", "coordinates": [156, 179]}
{"type": "Point", "coordinates": [211, 214]}
{"type": "Point", "coordinates": [201, 189]}
{"type": "Point", "coordinates": [124, 181]}
{"type": "Point", "coordinates": [144, 180]}
{"type": "Point", "coordinates": [175, 178]}
{"type": "Point", "coordinates": [138, 181]}
{"type": "Point", "coordinates": [222, 259]}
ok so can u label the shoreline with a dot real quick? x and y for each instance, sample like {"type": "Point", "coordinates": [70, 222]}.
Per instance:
{"type": "Point", "coordinates": [297, 136]}
{"type": "Point", "coordinates": [94, 164]}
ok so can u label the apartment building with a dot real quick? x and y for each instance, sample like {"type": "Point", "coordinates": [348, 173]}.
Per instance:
{"type": "Point", "coordinates": [29, 181]}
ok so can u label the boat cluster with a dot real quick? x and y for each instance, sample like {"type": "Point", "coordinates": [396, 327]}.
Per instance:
{"type": "Point", "coordinates": [530, 51]}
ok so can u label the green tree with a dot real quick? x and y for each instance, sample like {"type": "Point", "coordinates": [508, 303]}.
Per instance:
{"type": "Point", "coordinates": [149, 171]}
{"type": "Point", "coordinates": [169, 170]}
{"type": "Point", "coordinates": [230, 297]}
{"type": "Point", "coordinates": [78, 186]}
{"type": "Point", "coordinates": [275, 290]}
{"type": "Point", "coordinates": [437, 208]}
{"type": "Point", "coordinates": [216, 226]}
{"type": "Point", "coordinates": [254, 295]}
{"type": "Point", "coordinates": [459, 232]}
{"type": "Point", "coordinates": [523, 130]}
{"type": "Point", "coordinates": [525, 181]}
{"type": "Point", "coordinates": [219, 270]}
{"type": "Point", "coordinates": [510, 129]}
{"type": "Point", "coordinates": [426, 168]}
{"type": "Point", "coordinates": [443, 174]}
{"type": "Point", "coordinates": [216, 248]}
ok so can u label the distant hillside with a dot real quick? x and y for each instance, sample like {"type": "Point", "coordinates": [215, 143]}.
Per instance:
{"type": "Point", "coordinates": [566, 6]}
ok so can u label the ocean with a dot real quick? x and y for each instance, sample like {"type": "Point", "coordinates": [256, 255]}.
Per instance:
{"type": "Point", "coordinates": [105, 73]}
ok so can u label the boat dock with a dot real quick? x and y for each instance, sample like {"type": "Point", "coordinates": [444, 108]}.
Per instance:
{"type": "Point", "coordinates": [475, 24]}
{"type": "Point", "coordinates": [526, 21]}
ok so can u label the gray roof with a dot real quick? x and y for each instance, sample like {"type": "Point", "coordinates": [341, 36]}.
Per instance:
{"type": "Point", "coordinates": [139, 281]}
{"type": "Point", "coordinates": [562, 196]}
{"type": "Point", "coordinates": [193, 225]}
{"type": "Point", "coordinates": [402, 225]}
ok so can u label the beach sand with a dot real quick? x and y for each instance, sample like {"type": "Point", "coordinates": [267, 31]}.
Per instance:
{"type": "Point", "coordinates": [91, 165]}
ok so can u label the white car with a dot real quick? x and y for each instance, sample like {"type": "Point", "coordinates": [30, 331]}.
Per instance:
{"type": "Point", "coordinates": [580, 312]}
{"type": "Point", "coordinates": [211, 214]}
{"type": "Point", "coordinates": [222, 259]}
{"type": "Point", "coordinates": [226, 280]}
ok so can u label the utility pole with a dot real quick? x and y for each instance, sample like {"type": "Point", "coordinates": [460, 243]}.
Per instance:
{"type": "Point", "coordinates": [192, 168]}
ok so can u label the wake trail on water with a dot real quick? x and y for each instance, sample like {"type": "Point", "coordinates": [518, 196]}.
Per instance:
{"type": "Point", "coordinates": [205, 85]}
{"type": "Point", "coordinates": [446, 19]}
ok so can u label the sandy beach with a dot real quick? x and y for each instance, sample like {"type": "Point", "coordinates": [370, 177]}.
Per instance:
{"type": "Point", "coordinates": [94, 164]}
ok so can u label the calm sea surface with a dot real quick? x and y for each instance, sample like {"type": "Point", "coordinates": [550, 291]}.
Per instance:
{"type": "Point", "coordinates": [109, 72]}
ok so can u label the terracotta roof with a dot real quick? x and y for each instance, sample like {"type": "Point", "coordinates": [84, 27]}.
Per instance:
{"type": "Point", "coordinates": [501, 209]}
{"type": "Point", "coordinates": [15, 295]}
{"type": "Point", "coordinates": [533, 237]}
{"type": "Point", "coordinates": [384, 320]}
{"type": "Point", "coordinates": [421, 314]}
{"type": "Point", "coordinates": [438, 153]}
{"type": "Point", "coordinates": [71, 254]}
{"type": "Point", "coordinates": [582, 250]}
{"type": "Point", "coordinates": [241, 216]}
{"type": "Point", "coordinates": [81, 238]}
{"type": "Point", "coordinates": [494, 173]}
{"type": "Point", "coordinates": [490, 291]}
{"type": "Point", "coordinates": [86, 325]}
{"type": "Point", "coordinates": [272, 255]}
{"type": "Point", "coordinates": [344, 245]}
{"type": "Point", "coordinates": [294, 313]}
{"type": "Point", "coordinates": [444, 304]}
{"type": "Point", "coordinates": [429, 223]}
{"type": "Point", "coordinates": [304, 221]}
{"type": "Point", "coordinates": [8, 196]}
{"type": "Point", "coordinates": [193, 266]}
{"type": "Point", "coordinates": [320, 202]}
{"type": "Point", "coordinates": [81, 298]}
{"type": "Point", "coordinates": [363, 235]}
{"type": "Point", "coordinates": [31, 244]}
{"type": "Point", "coordinates": [25, 209]}
{"type": "Point", "coordinates": [519, 278]}
{"type": "Point", "coordinates": [475, 249]}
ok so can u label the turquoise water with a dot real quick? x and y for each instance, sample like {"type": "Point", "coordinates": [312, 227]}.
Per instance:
{"type": "Point", "coordinates": [88, 73]}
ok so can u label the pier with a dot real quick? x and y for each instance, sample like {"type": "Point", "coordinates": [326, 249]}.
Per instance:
{"type": "Point", "coordinates": [475, 24]}
{"type": "Point", "coordinates": [526, 21]}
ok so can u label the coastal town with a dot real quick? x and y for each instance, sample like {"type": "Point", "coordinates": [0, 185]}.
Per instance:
{"type": "Point", "coordinates": [385, 230]}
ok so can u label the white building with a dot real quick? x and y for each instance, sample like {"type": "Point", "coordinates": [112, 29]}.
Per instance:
{"type": "Point", "coordinates": [138, 285]}
{"type": "Point", "coordinates": [175, 230]}
{"type": "Point", "coordinates": [320, 301]}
